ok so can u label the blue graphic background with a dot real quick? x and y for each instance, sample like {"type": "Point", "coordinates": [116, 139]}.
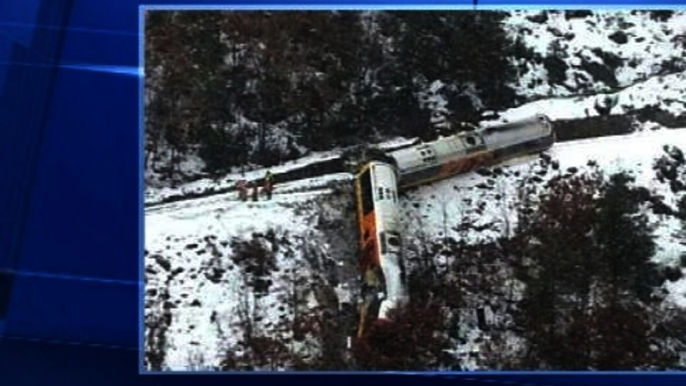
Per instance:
{"type": "Point", "coordinates": [70, 201]}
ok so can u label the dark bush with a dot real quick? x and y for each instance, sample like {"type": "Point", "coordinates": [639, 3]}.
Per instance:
{"type": "Point", "coordinates": [556, 68]}
{"type": "Point", "coordinates": [662, 15]}
{"type": "Point", "coordinates": [600, 73]}
{"type": "Point", "coordinates": [540, 18]}
{"type": "Point", "coordinates": [619, 37]}
{"type": "Point", "coordinates": [577, 14]}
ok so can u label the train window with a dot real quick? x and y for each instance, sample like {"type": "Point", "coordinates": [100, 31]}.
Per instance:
{"type": "Point", "coordinates": [380, 193]}
{"type": "Point", "coordinates": [393, 239]}
{"type": "Point", "coordinates": [428, 155]}
{"type": "Point", "coordinates": [366, 186]}
{"type": "Point", "coordinates": [425, 150]}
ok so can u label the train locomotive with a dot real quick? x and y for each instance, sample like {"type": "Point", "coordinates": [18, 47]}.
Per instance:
{"type": "Point", "coordinates": [379, 181]}
{"type": "Point", "coordinates": [471, 150]}
{"type": "Point", "coordinates": [378, 219]}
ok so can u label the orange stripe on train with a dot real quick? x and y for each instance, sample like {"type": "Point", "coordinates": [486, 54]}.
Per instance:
{"type": "Point", "coordinates": [466, 164]}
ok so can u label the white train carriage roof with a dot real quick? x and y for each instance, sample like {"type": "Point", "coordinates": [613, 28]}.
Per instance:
{"type": "Point", "coordinates": [519, 131]}
{"type": "Point", "coordinates": [385, 194]}
{"type": "Point", "coordinates": [439, 151]}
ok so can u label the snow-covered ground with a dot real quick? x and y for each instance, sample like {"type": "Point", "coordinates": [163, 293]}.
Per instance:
{"type": "Point", "coordinates": [196, 267]}
{"type": "Point", "coordinates": [668, 92]}
{"type": "Point", "coordinates": [155, 195]}
{"type": "Point", "coordinates": [197, 327]}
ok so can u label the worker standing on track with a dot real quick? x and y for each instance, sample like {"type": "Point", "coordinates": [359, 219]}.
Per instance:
{"type": "Point", "coordinates": [255, 186]}
{"type": "Point", "coordinates": [268, 184]}
{"type": "Point", "coordinates": [242, 187]}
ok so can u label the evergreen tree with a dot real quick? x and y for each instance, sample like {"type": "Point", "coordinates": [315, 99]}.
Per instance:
{"type": "Point", "coordinates": [625, 243]}
{"type": "Point", "coordinates": [589, 277]}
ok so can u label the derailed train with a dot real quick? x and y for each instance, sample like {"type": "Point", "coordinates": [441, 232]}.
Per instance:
{"type": "Point", "coordinates": [379, 181]}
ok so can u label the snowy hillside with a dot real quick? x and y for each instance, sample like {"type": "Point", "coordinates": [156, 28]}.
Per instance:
{"type": "Point", "coordinates": [519, 57]}
{"type": "Point", "coordinates": [196, 275]}
{"type": "Point", "coordinates": [488, 201]}
{"type": "Point", "coordinates": [462, 195]}
{"type": "Point", "coordinates": [582, 52]}
{"type": "Point", "coordinates": [571, 67]}
{"type": "Point", "coordinates": [197, 272]}
{"type": "Point", "coordinates": [273, 285]}
{"type": "Point", "coordinates": [665, 92]}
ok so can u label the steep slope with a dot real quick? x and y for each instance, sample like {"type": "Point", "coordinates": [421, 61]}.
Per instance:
{"type": "Point", "coordinates": [217, 266]}
{"type": "Point", "coordinates": [220, 267]}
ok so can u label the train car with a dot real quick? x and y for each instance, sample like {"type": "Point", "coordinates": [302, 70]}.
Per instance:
{"type": "Point", "coordinates": [378, 182]}
{"type": "Point", "coordinates": [380, 243]}
{"type": "Point", "coordinates": [468, 151]}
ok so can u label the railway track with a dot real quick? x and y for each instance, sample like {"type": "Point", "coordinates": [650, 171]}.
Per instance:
{"type": "Point", "coordinates": [339, 164]}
